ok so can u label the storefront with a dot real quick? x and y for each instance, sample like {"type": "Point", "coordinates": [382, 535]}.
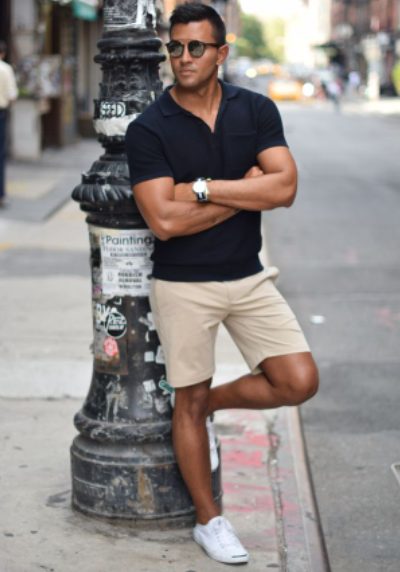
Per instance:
{"type": "Point", "coordinates": [48, 50]}
{"type": "Point", "coordinates": [5, 10]}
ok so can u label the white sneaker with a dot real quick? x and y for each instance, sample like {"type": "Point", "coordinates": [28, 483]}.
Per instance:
{"type": "Point", "coordinates": [219, 540]}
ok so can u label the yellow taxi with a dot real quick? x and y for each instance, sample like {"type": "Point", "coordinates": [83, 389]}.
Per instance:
{"type": "Point", "coordinates": [285, 89]}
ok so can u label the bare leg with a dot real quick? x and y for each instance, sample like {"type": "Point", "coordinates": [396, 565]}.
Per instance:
{"type": "Point", "coordinates": [285, 380]}
{"type": "Point", "coordinates": [192, 447]}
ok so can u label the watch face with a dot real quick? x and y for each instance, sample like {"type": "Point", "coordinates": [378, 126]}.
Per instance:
{"type": "Point", "coordinates": [200, 190]}
{"type": "Point", "coordinates": [199, 186]}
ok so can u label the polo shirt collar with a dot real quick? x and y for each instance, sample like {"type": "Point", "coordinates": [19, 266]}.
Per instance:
{"type": "Point", "coordinates": [169, 106]}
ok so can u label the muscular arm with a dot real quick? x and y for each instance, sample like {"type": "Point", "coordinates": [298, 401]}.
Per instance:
{"type": "Point", "coordinates": [168, 217]}
{"type": "Point", "coordinates": [274, 185]}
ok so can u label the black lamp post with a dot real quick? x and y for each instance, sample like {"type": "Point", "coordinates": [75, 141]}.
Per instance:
{"type": "Point", "coordinates": [122, 462]}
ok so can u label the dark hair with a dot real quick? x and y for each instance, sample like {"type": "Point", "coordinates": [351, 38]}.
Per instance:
{"type": "Point", "coordinates": [3, 47]}
{"type": "Point", "coordinates": [197, 12]}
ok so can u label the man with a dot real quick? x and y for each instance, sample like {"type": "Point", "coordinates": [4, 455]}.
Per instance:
{"type": "Point", "coordinates": [205, 160]}
{"type": "Point", "coordinates": [8, 93]}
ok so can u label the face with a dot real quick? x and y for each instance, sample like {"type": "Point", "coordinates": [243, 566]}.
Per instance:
{"type": "Point", "coordinates": [191, 72]}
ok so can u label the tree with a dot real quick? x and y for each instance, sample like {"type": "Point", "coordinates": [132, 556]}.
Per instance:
{"type": "Point", "coordinates": [396, 76]}
{"type": "Point", "coordinates": [251, 42]}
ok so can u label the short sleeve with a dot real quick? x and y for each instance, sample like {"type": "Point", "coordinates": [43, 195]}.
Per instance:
{"type": "Point", "coordinates": [269, 127]}
{"type": "Point", "coordinates": [146, 158]}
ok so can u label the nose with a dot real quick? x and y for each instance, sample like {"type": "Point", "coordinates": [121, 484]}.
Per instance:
{"type": "Point", "coordinates": [186, 57]}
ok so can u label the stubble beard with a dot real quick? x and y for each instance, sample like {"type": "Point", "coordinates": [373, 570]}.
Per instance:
{"type": "Point", "coordinates": [194, 82]}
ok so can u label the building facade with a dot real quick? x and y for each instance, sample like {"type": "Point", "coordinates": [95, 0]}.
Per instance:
{"type": "Point", "coordinates": [52, 44]}
{"type": "Point", "coordinates": [367, 35]}
{"type": "Point", "coordinates": [307, 25]}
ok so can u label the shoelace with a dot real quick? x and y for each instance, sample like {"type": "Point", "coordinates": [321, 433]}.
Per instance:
{"type": "Point", "coordinates": [226, 535]}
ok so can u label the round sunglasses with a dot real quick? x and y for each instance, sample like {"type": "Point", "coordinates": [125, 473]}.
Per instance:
{"type": "Point", "coordinates": [195, 47]}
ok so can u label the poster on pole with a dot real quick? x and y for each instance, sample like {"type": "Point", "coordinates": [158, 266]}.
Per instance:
{"type": "Point", "coordinates": [126, 264]}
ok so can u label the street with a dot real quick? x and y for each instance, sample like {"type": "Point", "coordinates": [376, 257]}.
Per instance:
{"type": "Point", "coordinates": [338, 252]}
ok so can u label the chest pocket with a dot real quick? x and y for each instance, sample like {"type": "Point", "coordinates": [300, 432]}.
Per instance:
{"type": "Point", "coordinates": [240, 153]}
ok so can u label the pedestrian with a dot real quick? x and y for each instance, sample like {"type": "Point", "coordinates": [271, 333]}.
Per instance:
{"type": "Point", "coordinates": [205, 159]}
{"type": "Point", "coordinates": [334, 90]}
{"type": "Point", "coordinates": [8, 93]}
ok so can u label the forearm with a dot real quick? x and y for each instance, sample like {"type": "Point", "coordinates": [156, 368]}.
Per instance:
{"type": "Point", "coordinates": [265, 192]}
{"type": "Point", "coordinates": [254, 193]}
{"type": "Point", "coordinates": [180, 218]}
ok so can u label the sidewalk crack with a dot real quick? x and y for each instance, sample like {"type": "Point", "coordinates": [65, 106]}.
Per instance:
{"type": "Point", "coordinates": [275, 482]}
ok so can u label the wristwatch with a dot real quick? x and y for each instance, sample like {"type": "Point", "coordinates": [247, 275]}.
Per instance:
{"type": "Point", "coordinates": [200, 189]}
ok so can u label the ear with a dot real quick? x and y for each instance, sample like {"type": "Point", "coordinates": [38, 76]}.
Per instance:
{"type": "Point", "coordinates": [223, 53]}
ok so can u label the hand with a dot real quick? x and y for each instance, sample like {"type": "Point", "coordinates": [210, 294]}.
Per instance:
{"type": "Point", "coordinates": [254, 171]}
{"type": "Point", "coordinates": [183, 192]}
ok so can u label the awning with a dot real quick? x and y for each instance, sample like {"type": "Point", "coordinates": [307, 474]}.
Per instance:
{"type": "Point", "coordinates": [85, 9]}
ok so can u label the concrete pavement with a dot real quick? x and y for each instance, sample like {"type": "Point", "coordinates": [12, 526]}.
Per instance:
{"type": "Point", "coordinates": [45, 366]}
{"type": "Point", "coordinates": [385, 106]}
{"type": "Point", "coordinates": [350, 105]}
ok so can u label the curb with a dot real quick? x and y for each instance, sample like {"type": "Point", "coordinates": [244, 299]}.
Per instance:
{"type": "Point", "coordinates": [310, 518]}
{"type": "Point", "coordinates": [299, 530]}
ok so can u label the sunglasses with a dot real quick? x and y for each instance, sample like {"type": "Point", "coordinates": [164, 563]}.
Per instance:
{"type": "Point", "coordinates": [195, 47]}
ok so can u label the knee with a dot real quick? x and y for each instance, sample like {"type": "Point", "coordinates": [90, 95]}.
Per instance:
{"type": "Point", "coordinates": [192, 403]}
{"type": "Point", "coordinates": [303, 385]}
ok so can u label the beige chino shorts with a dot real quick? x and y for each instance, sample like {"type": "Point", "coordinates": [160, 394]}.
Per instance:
{"type": "Point", "coordinates": [187, 316]}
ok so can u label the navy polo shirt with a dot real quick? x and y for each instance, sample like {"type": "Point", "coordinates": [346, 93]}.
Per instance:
{"type": "Point", "coordinates": [168, 141]}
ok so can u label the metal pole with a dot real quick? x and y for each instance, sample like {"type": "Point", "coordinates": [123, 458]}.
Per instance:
{"type": "Point", "coordinates": [122, 462]}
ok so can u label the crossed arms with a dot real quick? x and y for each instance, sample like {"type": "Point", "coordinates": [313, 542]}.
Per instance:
{"type": "Point", "coordinates": [171, 210]}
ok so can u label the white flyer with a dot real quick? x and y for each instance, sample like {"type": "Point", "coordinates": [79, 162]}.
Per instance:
{"type": "Point", "coordinates": [126, 266]}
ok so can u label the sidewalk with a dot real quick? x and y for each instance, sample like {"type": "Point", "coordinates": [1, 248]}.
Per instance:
{"type": "Point", "coordinates": [383, 107]}
{"type": "Point", "coordinates": [45, 366]}
{"type": "Point", "coordinates": [386, 106]}
{"type": "Point", "coordinates": [38, 189]}
{"type": "Point", "coordinates": [262, 497]}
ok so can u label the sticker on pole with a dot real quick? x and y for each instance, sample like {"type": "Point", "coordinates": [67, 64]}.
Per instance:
{"type": "Point", "coordinates": [125, 15]}
{"type": "Point", "coordinates": [126, 264]}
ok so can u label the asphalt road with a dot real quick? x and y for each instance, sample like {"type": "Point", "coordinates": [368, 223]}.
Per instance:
{"type": "Point", "coordinates": [338, 249]}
